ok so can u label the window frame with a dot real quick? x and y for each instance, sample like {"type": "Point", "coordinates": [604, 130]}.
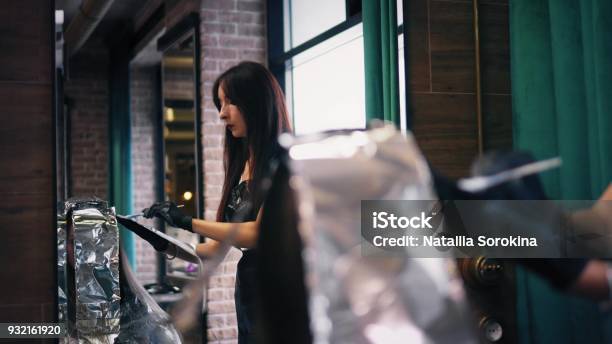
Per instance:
{"type": "Point", "coordinates": [279, 60]}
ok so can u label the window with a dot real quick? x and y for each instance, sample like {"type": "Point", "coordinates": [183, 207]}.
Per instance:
{"type": "Point", "coordinates": [320, 60]}
{"type": "Point", "coordinates": [401, 66]}
{"type": "Point", "coordinates": [321, 64]}
{"type": "Point", "coordinates": [329, 84]}
{"type": "Point", "coordinates": [402, 82]}
{"type": "Point", "coordinates": [312, 17]}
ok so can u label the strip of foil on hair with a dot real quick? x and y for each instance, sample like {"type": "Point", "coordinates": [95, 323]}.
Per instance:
{"type": "Point", "coordinates": [362, 299]}
{"type": "Point", "coordinates": [96, 270]}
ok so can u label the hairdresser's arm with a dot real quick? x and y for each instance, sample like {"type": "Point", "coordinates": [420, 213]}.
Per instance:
{"type": "Point", "coordinates": [596, 220]}
{"type": "Point", "coordinates": [593, 281]}
{"type": "Point", "coordinates": [582, 277]}
{"type": "Point", "coordinates": [240, 234]}
{"type": "Point", "coordinates": [245, 234]}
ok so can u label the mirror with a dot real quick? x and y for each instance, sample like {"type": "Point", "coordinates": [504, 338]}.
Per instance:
{"type": "Point", "coordinates": [181, 133]}
{"type": "Point", "coordinates": [166, 152]}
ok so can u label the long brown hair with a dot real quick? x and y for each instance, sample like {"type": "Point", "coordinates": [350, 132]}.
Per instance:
{"type": "Point", "coordinates": [258, 96]}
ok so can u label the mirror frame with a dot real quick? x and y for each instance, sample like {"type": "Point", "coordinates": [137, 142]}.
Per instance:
{"type": "Point", "coordinates": [189, 25]}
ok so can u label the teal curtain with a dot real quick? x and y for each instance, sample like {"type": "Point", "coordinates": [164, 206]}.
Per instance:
{"type": "Point", "coordinates": [561, 61]}
{"type": "Point", "coordinates": [119, 138]}
{"type": "Point", "coordinates": [380, 57]}
{"type": "Point", "coordinates": [561, 58]}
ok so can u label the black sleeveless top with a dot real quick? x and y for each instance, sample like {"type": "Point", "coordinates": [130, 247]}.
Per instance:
{"type": "Point", "coordinates": [239, 209]}
{"type": "Point", "coordinates": [239, 205]}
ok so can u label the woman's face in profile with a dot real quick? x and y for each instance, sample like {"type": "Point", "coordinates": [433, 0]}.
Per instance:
{"type": "Point", "coordinates": [231, 115]}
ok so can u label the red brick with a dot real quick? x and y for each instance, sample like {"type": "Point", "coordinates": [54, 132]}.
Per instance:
{"type": "Point", "coordinates": [252, 54]}
{"type": "Point", "coordinates": [216, 321]}
{"type": "Point", "coordinates": [251, 30]}
{"type": "Point", "coordinates": [229, 268]}
{"type": "Point", "coordinates": [227, 28]}
{"type": "Point", "coordinates": [220, 53]}
{"type": "Point", "coordinates": [220, 307]}
{"type": "Point", "coordinates": [227, 64]}
{"type": "Point", "coordinates": [254, 6]}
{"type": "Point", "coordinates": [214, 178]}
{"type": "Point", "coordinates": [213, 189]}
{"type": "Point", "coordinates": [209, 66]}
{"type": "Point", "coordinates": [237, 17]}
{"type": "Point", "coordinates": [218, 4]}
{"type": "Point", "coordinates": [213, 128]}
{"type": "Point", "coordinates": [217, 294]}
{"type": "Point", "coordinates": [209, 16]}
{"type": "Point", "coordinates": [209, 41]}
{"type": "Point", "coordinates": [230, 321]}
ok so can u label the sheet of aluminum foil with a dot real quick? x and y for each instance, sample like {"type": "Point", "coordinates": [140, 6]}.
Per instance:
{"type": "Point", "coordinates": [364, 299]}
{"type": "Point", "coordinates": [92, 272]}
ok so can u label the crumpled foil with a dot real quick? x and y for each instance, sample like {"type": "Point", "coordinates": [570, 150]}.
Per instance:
{"type": "Point", "coordinates": [100, 302]}
{"type": "Point", "coordinates": [92, 272]}
{"type": "Point", "coordinates": [364, 299]}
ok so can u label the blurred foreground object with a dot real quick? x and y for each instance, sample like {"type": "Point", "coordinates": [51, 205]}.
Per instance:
{"type": "Point", "coordinates": [356, 298]}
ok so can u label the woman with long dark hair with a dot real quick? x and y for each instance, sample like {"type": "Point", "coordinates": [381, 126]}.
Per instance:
{"type": "Point", "coordinates": [251, 103]}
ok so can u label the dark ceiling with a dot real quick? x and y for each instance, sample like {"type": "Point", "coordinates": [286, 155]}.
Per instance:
{"type": "Point", "coordinates": [121, 12]}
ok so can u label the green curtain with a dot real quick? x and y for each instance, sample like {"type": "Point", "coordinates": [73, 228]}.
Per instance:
{"type": "Point", "coordinates": [380, 57]}
{"type": "Point", "coordinates": [120, 163]}
{"type": "Point", "coordinates": [561, 61]}
{"type": "Point", "coordinates": [561, 57]}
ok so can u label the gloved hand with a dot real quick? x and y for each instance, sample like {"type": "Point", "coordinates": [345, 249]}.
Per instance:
{"type": "Point", "coordinates": [169, 212]}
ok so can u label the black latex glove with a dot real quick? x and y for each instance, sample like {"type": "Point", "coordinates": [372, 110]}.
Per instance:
{"type": "Point", "coordinates": [170, 213]}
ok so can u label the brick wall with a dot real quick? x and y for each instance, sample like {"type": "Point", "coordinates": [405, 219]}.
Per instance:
{"type": "Point", "coordinates": [179, 83]}
{"type": "Point", "coordinates": [87, 89]}
{"type": "Point", "coordinates": [231, 31]}
{"type": "Point", "coordinates": [144, 110]}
